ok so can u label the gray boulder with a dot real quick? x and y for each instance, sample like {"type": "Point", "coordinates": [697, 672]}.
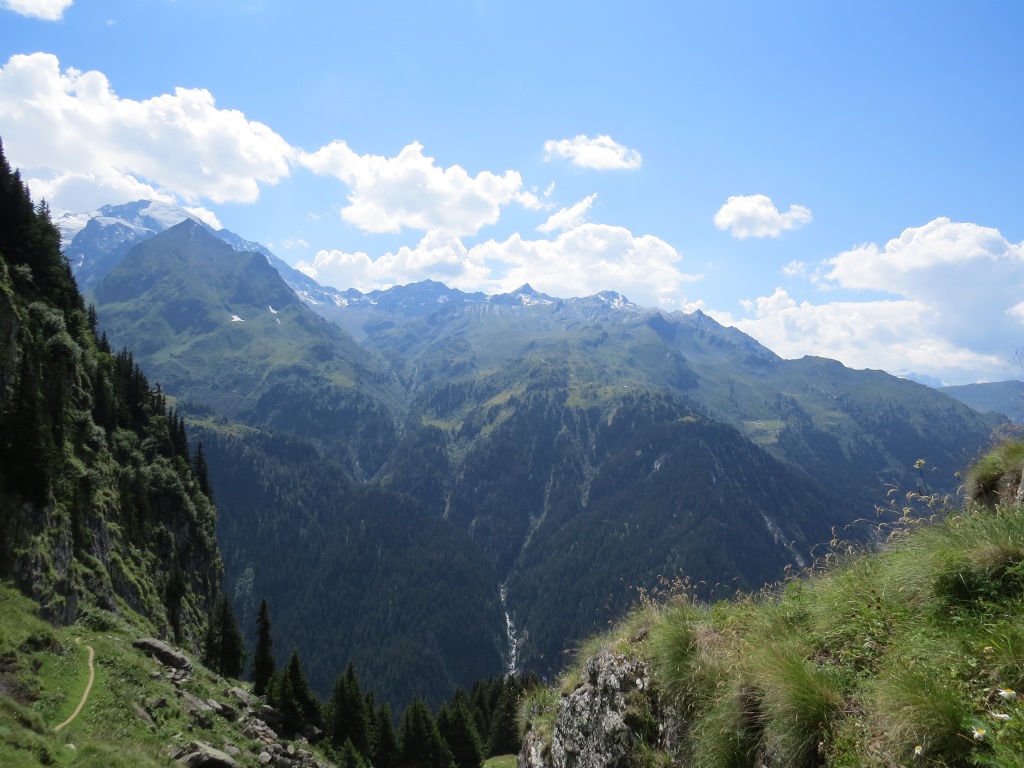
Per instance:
{"type": "Point", "coordinates": [162, 652]}
{"type": "Point", "coordinates": [604, 722]}
{"type": "Point", "coordinates": [199, 755]}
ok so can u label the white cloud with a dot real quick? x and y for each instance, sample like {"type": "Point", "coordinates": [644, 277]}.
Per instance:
{"type": "Point", "coordinates": [795, 269]}
{"type": "Point", "coordinates": [913, 261]}
{"type": "Point", "coordinates": [439, 255]}
{"type": "Point", "coordinates": [955, 311]}
{"type": "Point", "coordinates": [568, 218]}
{"type": "Point", "coordinates": [81, 146]}
{"type": "Point", "coordinates": [591, 258]}
{"type": "Point", "coordinates": [48, 10]}
{"type": "Point", "coordinates": [896, 336]}
{"type": "Point", "coordinates": [600, 153]}
{"type": "Point", "coordinates": [580, 261]}
{"type": "Point", "coordinates": [410, 191]}
{"type": "Point", "coordinates": [206, 216]}
{"type": "Point", "coordinates": [756, 216]}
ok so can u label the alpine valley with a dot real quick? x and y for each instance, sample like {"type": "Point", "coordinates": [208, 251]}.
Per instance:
{"type": "Point", "coordinates": [440, 487]}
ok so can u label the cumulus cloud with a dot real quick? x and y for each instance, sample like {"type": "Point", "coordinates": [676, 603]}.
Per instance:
{"type": "Point", "coordinates": [206, 216]}
{"type": "Point", "coordinates": [600, 153]}
{"type": "Point", "coordinates": [439, 255]}
{"type": "Point", "coordinates": [411, 191]}
{"type": "Point", "coordinates": [568, 218]}
{"type": "Point", "coordinates": [756, 216]}
{"type": "Point", "coordinates": [47, 10]}
{"type": "Point", "coordinates": [795, 269]}
{"type": "Point", "coordinates": [898, 336]}
{"type": "Point", "coordinates": [582, 260]}
{"type": "Point", "coordinates": [954, 309]}
{"type": "Point", "coordinates": [591, 258]}
{"type": "Point", "coordinates": [81, 146]}
{"type": "Point", "coordinates": [921, 258]}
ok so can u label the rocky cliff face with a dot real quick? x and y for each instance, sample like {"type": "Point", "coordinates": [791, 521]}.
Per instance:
{"type": "Point", "coordinates": [613, 719]}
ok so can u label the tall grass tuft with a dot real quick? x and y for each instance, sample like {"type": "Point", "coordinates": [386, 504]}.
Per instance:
{"type": "Point", "coordinates": [727, 734]}
{"type": "Point", "coordinates": [675, 656]}
{"type": "Point", "coordinates": [996, 474]}
{"type": "Point", "coordinates": [916, 706]}
{"type": "Point", "coordinates": [799, 701]}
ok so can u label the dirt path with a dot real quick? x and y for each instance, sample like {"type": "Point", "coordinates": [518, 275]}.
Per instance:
{"type": "Point", "coordinates": [85, 696]}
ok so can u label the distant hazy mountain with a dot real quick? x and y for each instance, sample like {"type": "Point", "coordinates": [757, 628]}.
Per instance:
{"type": "Point", "coordinates": [1005, 397]}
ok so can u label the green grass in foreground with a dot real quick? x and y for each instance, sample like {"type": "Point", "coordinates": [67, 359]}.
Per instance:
{"type": "Point", "coordinates": [501, 761]}
{"type": "Point", "coordinates": [44, 670]}
{"type": "Point", "coordinates": [908, 656]}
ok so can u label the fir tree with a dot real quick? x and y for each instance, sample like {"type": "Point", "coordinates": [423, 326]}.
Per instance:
{"type": "Point", "coordinates": [350, 757]}
{"type": "Point", "coordinates": [421, 743]}
{"type": "Point", "coordinates": [292, 695]}
{"type": "Point", "coordinates": [455, 722]}
{"type": "Point", "coordinates": [225, 648]}
{"type": "Point", "coordinates": [174, 591]}
{"type": "Point", "coordinates": [263, 664]}
{"type": "Point", "coordinates": [201, 472]}
{"type": "Point", "coordinates": [385, 743]}
{"type": "Point", "coordinates": [349, 720]}
{"type": "Point", "coordinates": [504, 738]}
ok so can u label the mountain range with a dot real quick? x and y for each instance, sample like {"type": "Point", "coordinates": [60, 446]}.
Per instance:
{"type": "Point", "coordinates": [441, 485]}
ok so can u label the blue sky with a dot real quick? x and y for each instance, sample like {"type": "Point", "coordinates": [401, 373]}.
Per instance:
{"type": "Point", "coordinates": [834, 179]}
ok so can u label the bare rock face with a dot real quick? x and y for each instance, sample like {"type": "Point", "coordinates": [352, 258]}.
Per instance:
{"type": "Point", "coordinates": [165, 654]}
{"type": "Point", "coordinates": [606, 722]}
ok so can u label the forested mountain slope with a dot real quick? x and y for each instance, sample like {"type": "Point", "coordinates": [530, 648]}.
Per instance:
{"type": "Point", "coordinates": [101, 499]}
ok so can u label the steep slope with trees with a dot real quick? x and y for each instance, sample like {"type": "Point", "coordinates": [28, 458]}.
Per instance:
{"type": "Point", "coordinates": [98, 498]}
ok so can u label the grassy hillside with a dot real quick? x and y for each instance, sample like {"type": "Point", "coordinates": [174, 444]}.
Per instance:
{"type": "Point", "coordinates": [911, 655]}
{"type": "Point", "coordinates": [44, 671]}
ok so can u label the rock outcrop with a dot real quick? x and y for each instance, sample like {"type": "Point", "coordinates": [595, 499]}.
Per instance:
{"type": "Point", "coordinates": [165, 654]}
{"type": "Point", "coordinates": [613, 717]}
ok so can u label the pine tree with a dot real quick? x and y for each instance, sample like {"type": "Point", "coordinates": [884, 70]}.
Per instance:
{"type": "Point", "coordinates": [504, 738]}
{"type": "Point", "coordinates": [292, 696]}
{"type": "Point", "coordinates": [421, 743]}
{"type": "Point", "coordinates": [455, 722]}
{"type": "Point", "coordinates": [350, 757]}
{"type": "Point", "coordinates": [385, 745]}
{"type": "Point", "coordinates": [225, 648]}
{"type": "Point", "coordinates": [349, 721]}
{"type": "Point", "coordinates": [263, 660]}
{"type": "Point", "coordinates": [201, 472]}
{"type": "Point", "coordinates": [174, 591]}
